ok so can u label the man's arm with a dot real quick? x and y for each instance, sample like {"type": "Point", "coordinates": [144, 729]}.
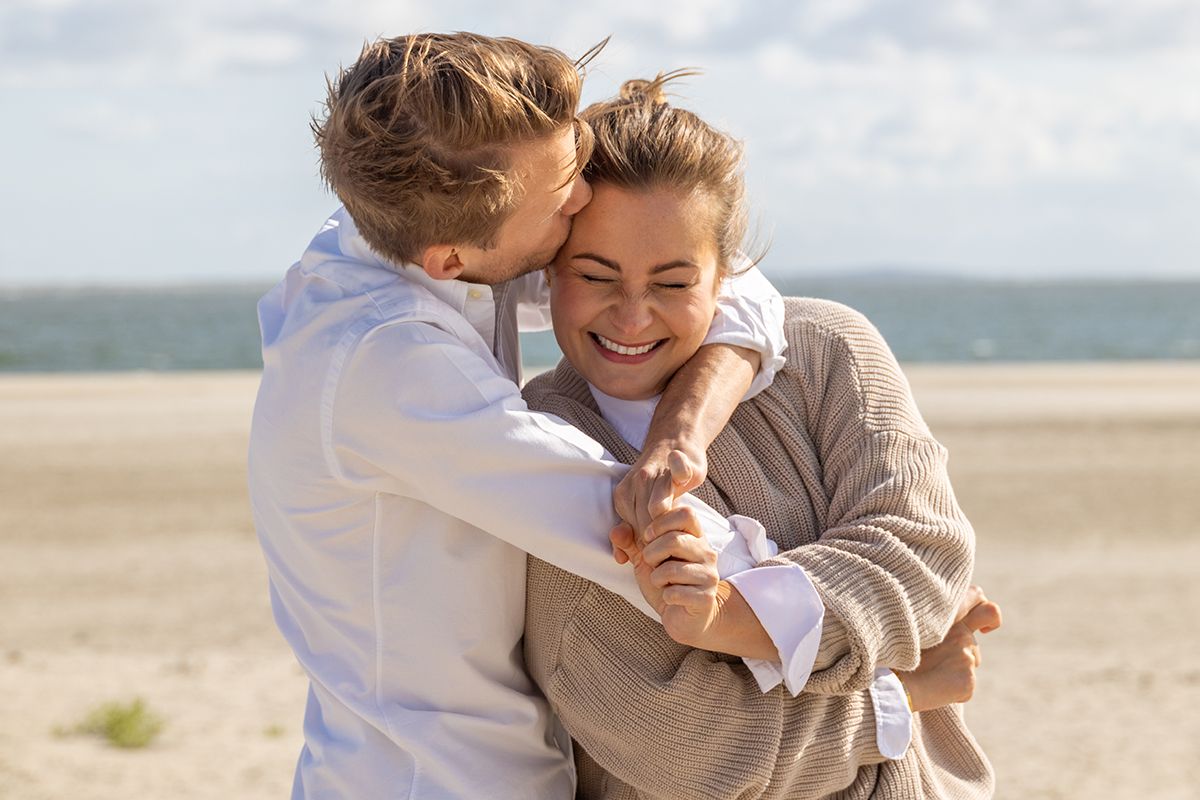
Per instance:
{"type": "Point", "coordinates": [416, 413]}
{"type": "Point", "coordinates": [695, 408]}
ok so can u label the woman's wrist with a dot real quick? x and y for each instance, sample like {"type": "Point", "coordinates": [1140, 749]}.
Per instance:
{"type": "Point", "coordinates": [734, 629]}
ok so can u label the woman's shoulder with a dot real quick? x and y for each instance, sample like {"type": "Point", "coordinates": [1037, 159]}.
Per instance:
{"type": "Point", "coordinates": [826, 318]}
{"type": "Point", "coordinates": [824, 334]}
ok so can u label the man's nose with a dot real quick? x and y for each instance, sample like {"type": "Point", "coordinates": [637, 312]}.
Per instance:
{"type": "Point", "coordinates": [581, 195]}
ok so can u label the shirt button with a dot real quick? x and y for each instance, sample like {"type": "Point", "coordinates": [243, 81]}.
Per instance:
{"type": "Point", "coordinates": [474, 294]}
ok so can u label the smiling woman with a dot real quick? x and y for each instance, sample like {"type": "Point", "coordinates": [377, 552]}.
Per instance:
{"type": "Point", "coordinates": [832, 458]}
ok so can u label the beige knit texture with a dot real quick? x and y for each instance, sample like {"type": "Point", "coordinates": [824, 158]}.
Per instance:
{"type": "Point", "coordinates": [835, 460]}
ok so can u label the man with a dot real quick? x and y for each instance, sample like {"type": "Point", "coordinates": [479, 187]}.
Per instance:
{"type": "Point", "coordinates": [397, 478]}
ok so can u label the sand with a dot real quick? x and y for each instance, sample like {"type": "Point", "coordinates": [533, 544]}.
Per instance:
{"type": "Point", "coordinates": [129, 568]}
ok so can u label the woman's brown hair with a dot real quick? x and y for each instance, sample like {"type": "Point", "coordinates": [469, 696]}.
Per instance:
{"type": "Point", "coordinates": [642, 142]}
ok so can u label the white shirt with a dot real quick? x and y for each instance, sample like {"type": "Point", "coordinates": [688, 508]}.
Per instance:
{"type": "Point", "coordinates": [781, 596]}
{"type": "Point", "coordinates": [397, 480]}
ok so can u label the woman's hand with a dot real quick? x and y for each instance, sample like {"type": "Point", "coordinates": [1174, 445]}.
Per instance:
{"type": "Point", "coordinates": [946, 673]}
{"type": "Point", "coordinates": [677, 572]}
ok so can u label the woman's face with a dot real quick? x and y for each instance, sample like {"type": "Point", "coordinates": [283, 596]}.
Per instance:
{"type": "Point", "coordinates": [633, 291]}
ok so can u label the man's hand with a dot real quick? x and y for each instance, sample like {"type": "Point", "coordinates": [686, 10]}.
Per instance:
{"type": "Point", "coordinates": [946, 673]}
{"type": "Point", "coordinates": [649, 489]}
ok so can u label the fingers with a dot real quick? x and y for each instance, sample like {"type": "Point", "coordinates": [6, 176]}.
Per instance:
{"type": "Point", "coordinates": [623, 543]}
{"type": "Point", "coordinates": [695, 599]}
{"type": "Point", "coordinates": [680, 518]}
{"type": "Point", "coordinates": [682, 573]}
{"type": "Point", "coordinates": [684, 474]}
{"type": "Point", "coordinates": [681, 545]}
{"type": "Point", "coordinates": [660, 498]}
{"type": "Point", "coordinates": [984, 617]}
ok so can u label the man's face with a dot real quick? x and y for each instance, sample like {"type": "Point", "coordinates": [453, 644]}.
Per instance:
{"type": "Point", "coordinates": [539, 226]}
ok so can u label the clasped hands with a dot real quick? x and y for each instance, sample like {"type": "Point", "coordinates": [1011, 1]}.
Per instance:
{"type": "Point", "coordinates": [675, 567]}
{"type": "Point", "coordinates": [676, 570]}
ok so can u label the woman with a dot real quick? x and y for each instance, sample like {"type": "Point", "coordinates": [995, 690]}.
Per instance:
{"type": "Point", "coordinates": [833, 458]}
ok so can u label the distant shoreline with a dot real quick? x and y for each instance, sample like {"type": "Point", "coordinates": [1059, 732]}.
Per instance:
{"type": "Point", "coordinates": [214, 326]}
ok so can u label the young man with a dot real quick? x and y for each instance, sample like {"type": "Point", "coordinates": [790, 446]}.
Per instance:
{"type": "Point", "coordinates": [397, 478]}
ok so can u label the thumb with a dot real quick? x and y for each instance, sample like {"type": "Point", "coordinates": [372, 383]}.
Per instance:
{"type": "Point", "coordinates": [984, 617]}
{"type": "Point", "coordinates": [622, 540]}
{"type": "Point", "coordinates": [682, 472]}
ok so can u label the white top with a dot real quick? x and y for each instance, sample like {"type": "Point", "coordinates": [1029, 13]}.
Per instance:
{"type": "Point", "coordinates": [781, 595]}
{"type": "Point", "coordinates": [397, 480]}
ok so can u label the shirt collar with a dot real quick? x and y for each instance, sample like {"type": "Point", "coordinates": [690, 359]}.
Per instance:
{"type": "Point", "coordinates": [454, 293]}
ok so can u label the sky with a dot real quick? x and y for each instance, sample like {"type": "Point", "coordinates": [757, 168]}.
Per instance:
{"type": "Point", "coordinates": [151, 142]}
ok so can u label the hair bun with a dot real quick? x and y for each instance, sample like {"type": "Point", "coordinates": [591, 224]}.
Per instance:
{"type": "Point", "coordinates": [650, 92]}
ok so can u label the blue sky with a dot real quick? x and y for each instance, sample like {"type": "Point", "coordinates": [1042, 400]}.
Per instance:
{"type": "Point", "coordinates": [168, 142]}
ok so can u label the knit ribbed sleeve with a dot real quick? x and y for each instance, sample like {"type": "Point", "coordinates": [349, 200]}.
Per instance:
{"type": "Point", "coordinates": [895, 552]}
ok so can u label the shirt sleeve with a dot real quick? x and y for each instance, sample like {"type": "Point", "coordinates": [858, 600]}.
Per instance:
{"type": "Point", "coordinates": [750, 315]}
{"type": "Point", "coordinates": [671, 721]}
{"type": "Point", "coordinates": [782, 598]}
{"type": "Point", "coordinates": [414, 412]}
{"type": "Point", "coordinates": [893, 717]}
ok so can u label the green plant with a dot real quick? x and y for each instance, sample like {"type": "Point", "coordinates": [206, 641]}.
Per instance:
{"type": "Point", "coordinates": [129, 725]}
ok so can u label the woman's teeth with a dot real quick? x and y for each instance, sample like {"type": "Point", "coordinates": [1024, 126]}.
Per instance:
{"type": "Point", "coordinates": [609, 344]}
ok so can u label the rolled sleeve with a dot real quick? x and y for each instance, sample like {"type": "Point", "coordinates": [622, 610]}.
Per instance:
{"type": "Point", "coordinates": [781, 596]}
{"type": "Point", "coordinates": [791, 612]}
{"type": "Point", "coordinates": [750, 315]}
{"type": "Point", "coordinates": [893, 718]}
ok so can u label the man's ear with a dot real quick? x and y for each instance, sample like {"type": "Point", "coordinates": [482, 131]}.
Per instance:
{"type": "Point", "coordinates": [441, 262]}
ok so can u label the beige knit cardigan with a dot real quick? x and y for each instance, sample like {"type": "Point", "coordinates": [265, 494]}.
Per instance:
{"type": "Point", "coordinates": [834, 459]}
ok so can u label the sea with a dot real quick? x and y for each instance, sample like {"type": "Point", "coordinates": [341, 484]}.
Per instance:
{"type": "Point", "coordinates": [924, 319]}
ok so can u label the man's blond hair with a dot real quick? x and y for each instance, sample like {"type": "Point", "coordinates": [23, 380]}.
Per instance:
{"type": "Point", "coordinates": [417, 135]}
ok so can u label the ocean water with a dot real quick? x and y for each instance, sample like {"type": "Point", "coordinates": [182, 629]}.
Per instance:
{"type": "Point", "coordinates": [924, 319]}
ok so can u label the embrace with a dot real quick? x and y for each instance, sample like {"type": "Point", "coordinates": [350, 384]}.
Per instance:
{"type": "Point", "coordinates": [772, 601]}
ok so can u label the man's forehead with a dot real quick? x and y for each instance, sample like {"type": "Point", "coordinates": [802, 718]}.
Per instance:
{"type": "Point", "coordinates": [548, 157]}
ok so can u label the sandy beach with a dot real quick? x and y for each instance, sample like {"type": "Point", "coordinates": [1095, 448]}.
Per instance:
{"type": "Point", "coordinates": [129, 568]}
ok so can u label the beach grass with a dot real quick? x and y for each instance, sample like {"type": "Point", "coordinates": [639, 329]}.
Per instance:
{"type": "Point", "coordinates": [129, 725]}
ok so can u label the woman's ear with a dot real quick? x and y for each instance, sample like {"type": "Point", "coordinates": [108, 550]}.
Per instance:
{"type": "Point", "coordinates": [441, 262]}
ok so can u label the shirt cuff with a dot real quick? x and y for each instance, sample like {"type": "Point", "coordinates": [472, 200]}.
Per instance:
{"type": "Point", "coordinates": [792, 614]}
{"type": "Point", "coordinates": [750, 315]}
{"type": "Point", "coordinates": [893, 719]}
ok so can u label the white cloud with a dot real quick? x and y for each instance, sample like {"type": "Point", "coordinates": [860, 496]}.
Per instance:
{"type": "Point", "coordinates": [1079, 115]}
{"type": "Point", "coordinates": [110, 122]}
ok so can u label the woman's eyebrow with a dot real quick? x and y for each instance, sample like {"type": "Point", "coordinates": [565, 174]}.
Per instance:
{"type": "Point", "coordinates": [673, 265]}
{"type": "Point", "coordinates": [599, 260]}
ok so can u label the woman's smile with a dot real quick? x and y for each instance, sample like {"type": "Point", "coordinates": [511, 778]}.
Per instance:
{"type": "Point", "coordinates": [621, 353]}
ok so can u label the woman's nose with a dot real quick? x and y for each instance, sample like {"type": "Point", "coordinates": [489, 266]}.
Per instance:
{"type": "Point", "coordinates": [631, 316]}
